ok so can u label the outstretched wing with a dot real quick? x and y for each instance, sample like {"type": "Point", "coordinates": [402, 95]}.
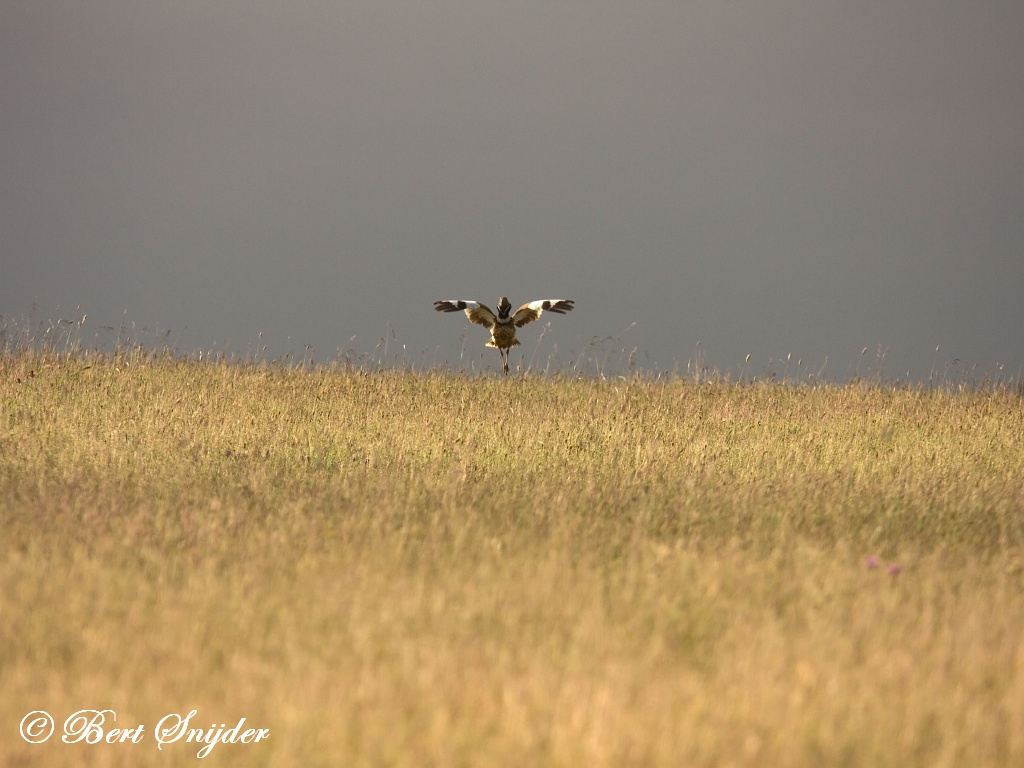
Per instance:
{"type": "Point", "coordinates": [475, 311]}
{"type": "Point", "coordinates": [530, 312]}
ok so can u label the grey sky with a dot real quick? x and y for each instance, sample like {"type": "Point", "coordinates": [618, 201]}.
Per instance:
{"type": "Point", "coordinates": [763, 178]}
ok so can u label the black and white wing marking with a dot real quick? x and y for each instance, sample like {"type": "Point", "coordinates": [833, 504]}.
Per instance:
{"type": "Point", "coordinates": [530, 312]}
{"type": "Point", "coordinates": [476, 312]}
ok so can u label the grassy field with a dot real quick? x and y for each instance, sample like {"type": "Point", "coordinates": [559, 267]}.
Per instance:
{"type": "Point", "coordinates": [437, 570]}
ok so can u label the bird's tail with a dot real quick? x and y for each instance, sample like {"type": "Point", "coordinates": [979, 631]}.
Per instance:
{"type": "Point", "coordinates": [513, 343]}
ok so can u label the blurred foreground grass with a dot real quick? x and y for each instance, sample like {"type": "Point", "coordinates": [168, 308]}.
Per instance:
{"type": "Point", "coordinates": [429, 569]}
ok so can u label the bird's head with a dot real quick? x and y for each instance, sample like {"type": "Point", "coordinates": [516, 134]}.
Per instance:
{"type": "Point", "coordinates": [504, 307]}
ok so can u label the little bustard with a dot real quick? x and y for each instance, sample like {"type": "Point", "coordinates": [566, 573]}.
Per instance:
{"type": "Point", "coordinates": [503, 325]}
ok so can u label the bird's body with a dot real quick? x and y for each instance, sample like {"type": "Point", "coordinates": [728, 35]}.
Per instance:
{"type": "Point", "coordinates": [503, 324]}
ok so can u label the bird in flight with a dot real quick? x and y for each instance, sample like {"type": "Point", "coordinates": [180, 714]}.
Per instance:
{"type": "Point", "coordinates": [503, 325]}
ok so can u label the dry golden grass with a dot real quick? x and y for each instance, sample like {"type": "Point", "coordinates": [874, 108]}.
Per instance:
{"type": "Point", "coordinates": [428, 569]}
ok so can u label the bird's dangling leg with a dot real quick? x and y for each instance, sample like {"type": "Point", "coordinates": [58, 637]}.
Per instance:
{"type": "Point", "coordinates": [504, 360]}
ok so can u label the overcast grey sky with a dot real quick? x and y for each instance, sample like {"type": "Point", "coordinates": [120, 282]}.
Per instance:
{"type": "Point", "coordinates": [769, 178]}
